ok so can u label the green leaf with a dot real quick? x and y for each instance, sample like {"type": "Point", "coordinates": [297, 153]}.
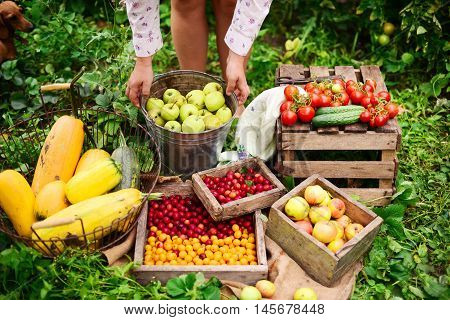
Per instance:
{"type": "Point", "coordinates": [211, 293]}
{"type": "Point", "coordinates": [289, 182]}
{"type": "Point", "coordinates": [422, 250]}
{"type": "Point", "coordinates": [176, 287]}
{"type": "Point", "coordinates": [421, 30]}
{"type": "Point", "coordinates": [193, 279]}
{"type": "Point", "coordinates": [417, 292]}
{"type": "Point", "coordinates": [102, 100]}
{"type": "Point", "coordinates": [249, 183]}
{"type": "Point", "coordinates": [18, 101]}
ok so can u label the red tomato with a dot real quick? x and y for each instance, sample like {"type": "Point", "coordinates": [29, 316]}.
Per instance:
{"type": "Point", "coordinates": [288, 118]}
{"type": "Point", "coordinates": [350, 83]}
{"type": "Point", "coordinates": [384, 95]}
{"type": "Point", "coordinates": [322, 86]}
{"type": "Point", "coordinates": [351, 88]}
{"type": "Point", "coordinates": [356, 96]}
{"type": "Point", "coordinates": [335, 104]}
{"type": "Point", "coordinates": [365, 102]}
{"type": "Point", "coordinates": [290, 91]}
{"type": "Point", "coordinates": [309, 86]}
{"type": "Point", "coordinates": [380, 120]}
{"type": "Point", "coordinates": [372, 122]}
{"type": "Point", "coordinates": [371, 83]}
{"type": "Point", "coordinates": [368, 88]}
{"type": "Point", "coordinates": [373, 100]}
{"type": "Point", "coordinates": [315, 100]}
{"type": "Point", "coordinates": [325, 100]}
{"type": "Point", "coordinates": [344, 98]}
{"type": "Point", "coordinates": [287, 105]}
{"type": "Point", "coordinates": [364, 117]}
{"type": "Point", "coordinates": [305, 114]}
{"type": "Point", "coordinates": [392, 109]}
{"type": "Point", "coordinates": [339, 81]}
{"type": "Point", "coordinates": [328, 92]}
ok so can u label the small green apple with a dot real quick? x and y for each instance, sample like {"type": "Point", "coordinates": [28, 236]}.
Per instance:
{"type": "Point", "coordinates": [197, 98]}
{"type": "Point", "coordinates": [154, 103]}
{"type": "Point", "coordinates": [214, 101]}
{"type": "Point", "coordinates": [211, 87]}
{"type": "Point", "coordinates": [305, 294]}
{"type": "Point", "coordinates": [170, 93]}
{"type": "Point", "coordinates": [170, 111]}
{"type": "Point", "coordinates": [188, 110]}
{"type": "Point", "coordinates": [193, 124]}
{"type": "Point", "coordinates": [155, 115]}
{"type": "Point", "coordinates": [179, 100]}
{"type": "Point", "coordinates": [224, 114]}
{"type": "Point", "coordinates": [173, 126]}
{"type": "Point", "coordinates": [250, 293]}
{"type": "Point", "coordinates": [203, 113]}
{"type": "Point", "coordinates": [212, 122]}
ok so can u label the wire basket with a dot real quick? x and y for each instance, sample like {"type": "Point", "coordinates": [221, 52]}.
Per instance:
{"type": "Point", "coordinates": [20, 147]}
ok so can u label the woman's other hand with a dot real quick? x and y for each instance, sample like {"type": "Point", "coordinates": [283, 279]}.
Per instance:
{"type": "Point", "coordinates": [140, 81]}
{"type": "Point", "coordinates": [236, 81]}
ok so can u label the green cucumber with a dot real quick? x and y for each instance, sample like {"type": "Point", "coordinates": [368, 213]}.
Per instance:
{"type": "Point", "coordinates": [129, 163]}
{"type": "Point", "coordinates": [333, 110]}
{"type": "Point", "coordinates": [336, 119]}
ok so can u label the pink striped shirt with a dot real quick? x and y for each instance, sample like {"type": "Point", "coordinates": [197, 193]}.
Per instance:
{"type": "Point", "coordinates": [147, 39]}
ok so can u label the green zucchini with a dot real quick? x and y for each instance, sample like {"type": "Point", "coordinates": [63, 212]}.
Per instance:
{"type": "Point", "coordinates": [130, 165]}
{"type": "Point", "coordinates": [336, 119]}
{"type": "Point", "coordinates": [333, 110]}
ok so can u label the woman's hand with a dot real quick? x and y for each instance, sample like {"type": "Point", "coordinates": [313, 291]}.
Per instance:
{"type": "Point", "coordinates": [140, 80]}
{"type": "Point", "coordinates": [236, 81]}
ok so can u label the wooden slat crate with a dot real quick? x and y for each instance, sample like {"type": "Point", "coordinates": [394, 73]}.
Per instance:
{"type": "Point", "coordinates": [244, 205]}
{"type": "Point", "coordinates": [353, 137]}
{"type": "Point", "coordinates": [313, 256]}
{"type": "Point", "coordinates": [248, 274]}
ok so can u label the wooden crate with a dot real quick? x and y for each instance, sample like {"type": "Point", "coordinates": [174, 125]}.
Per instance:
{"type": "Point", "coordinates": [384, 141]}
{"type": "Point", "coordinates": [313, 256]}
{"type": "Point", "coordinates": [242, 206]}
{"type": "Point", "coordinates": [246, 274]}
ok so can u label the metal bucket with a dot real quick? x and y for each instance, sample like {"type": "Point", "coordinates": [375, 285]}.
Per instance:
{"type": "Point", "coordinates": [186, 153]}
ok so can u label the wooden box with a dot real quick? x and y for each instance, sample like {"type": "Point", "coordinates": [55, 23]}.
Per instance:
{"type": "Point", "coordinates": [247, 274]}
{"type": "Point", "coordinates": [319, 146]}
{"type": "Point", "coordinates": [242, 206]}
{"type": "Point", "coordinates": [314, 257]}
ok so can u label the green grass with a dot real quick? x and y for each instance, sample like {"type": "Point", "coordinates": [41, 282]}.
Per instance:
{"type": "Point", "coordinates": [409, 259]}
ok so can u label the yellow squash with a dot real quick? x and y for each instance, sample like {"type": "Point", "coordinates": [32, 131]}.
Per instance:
{"type": "Point", "coordinates": [96, 212]}
{"type": "Point", "coordinates": [50, 200]}
{"type": "Point", "coordinates": [89, 158]}
{"type": "Point", "coordinates": [17, 200]}
{"type": "Point", "coordinates": [60, 153]}
{"type": "Point", "coordinates": [99, 179]}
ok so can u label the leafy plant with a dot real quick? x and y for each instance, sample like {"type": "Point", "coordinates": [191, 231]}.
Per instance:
{"type": "Point", "coordinates": [193, 286]}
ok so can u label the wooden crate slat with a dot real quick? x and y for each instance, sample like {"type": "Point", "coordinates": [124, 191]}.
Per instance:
{"type": "Point", "coordinates": [328, 130]}
{"type": "Point", "coordinates": [342, 169]}
{"type": "Point", "coordinates": [341, 141]}
{"type": "Point", "coordinates": [374, 73]}
{"type": "Point", "coordinates": [291, 70]}
{"type": "Point", "coordinates": [368, 194]}
{"type": "Point", "coordinates": [356, 127]}
{"type": "Point", "coordinates": [298, 127]}
{"type": "Point", "coordinates": [390, 126]}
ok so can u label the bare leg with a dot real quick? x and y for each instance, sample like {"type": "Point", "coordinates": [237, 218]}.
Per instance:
{"type": "Point", "coordinates": [223, 11]}
{"type": "Point", "coordinates": [190, 33]}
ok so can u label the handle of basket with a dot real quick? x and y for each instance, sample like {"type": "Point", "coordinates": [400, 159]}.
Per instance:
{"type": "Point", "coordinates": [55, 87]}
{"type": "Point", "coordinates": [55, 222]}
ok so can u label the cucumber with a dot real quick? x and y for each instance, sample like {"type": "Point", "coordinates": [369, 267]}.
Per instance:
{"type": "Point", "coordinates": [336, 119]}
{"type": "Point", "coordinates": [130, 165]}
{"type": "Point", "coordinates": [333, 110]}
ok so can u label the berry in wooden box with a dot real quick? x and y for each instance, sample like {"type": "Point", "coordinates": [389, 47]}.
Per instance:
{"type": "Point", "coordinates": [318, 260]}
{"type": "Point", "coordinates": [360, 159]}
{"type": "Point", "coordinates": [228, 250]}
{"type": "Point", "coordinates": [224, 202]}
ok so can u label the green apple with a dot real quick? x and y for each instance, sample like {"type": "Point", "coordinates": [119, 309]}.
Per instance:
{"type": "Point", "coordinates": [214, 101]}
{"type": "Point", "coordinates": [212, 122]}
{"type": "Point", "coordinates": [193, 124]}
{"type": "Point", "coordinates": [179, 100]}
{"type": "Point", "coordinates": [297, 208]}
{"type": "Point", "coordinates": [173, 126]}
{"type": "Point", "coordinates": [155, 115]}
{"type": "Point", "coordinates": [197, 98]}
{"type": "Point", "coordinates": [154, 103]}
{"type": "Point", "coordinates": [224, 114]}
{"type": "Point", "coordinates": [188, 110]}
{"type": "Point", "coordinates": [170, 111]}
{"type": "Point", "coordinates": [203, 113]}
{"type": "Point", "coordinates": [211, 87]}
{"type": "Point", "coordinates": [170, 93]}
